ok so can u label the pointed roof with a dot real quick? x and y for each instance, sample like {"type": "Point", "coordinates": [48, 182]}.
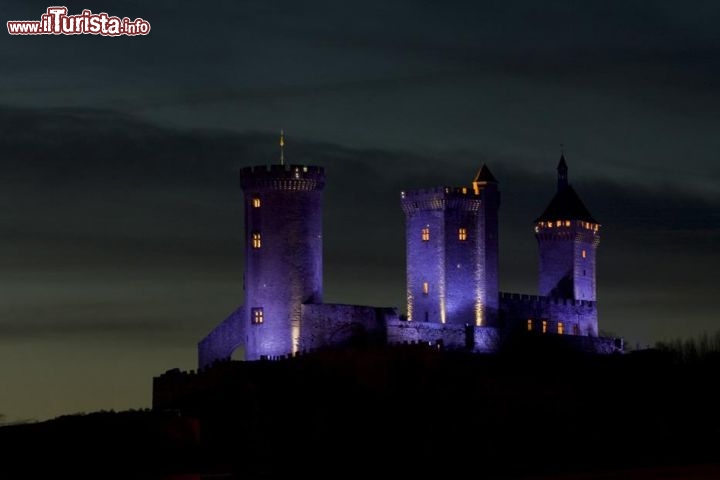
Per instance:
{"type": "Point", "coordinates": [485, 175]}
{"type": "Point", "coordinates": [562, 165]}
{"type": "Point", "coordinates": [566, 205]}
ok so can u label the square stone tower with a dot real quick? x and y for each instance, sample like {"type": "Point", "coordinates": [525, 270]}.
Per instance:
{"type": "Point", "coordinates": [452, 252]}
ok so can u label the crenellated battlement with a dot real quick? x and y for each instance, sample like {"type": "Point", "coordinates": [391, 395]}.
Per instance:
{"type": "Point", "coordinates": [540, 299]}
{"type": "Point", "coordinates": [283, 177]}
{"type": "Point", "coordinates": [440, 198]}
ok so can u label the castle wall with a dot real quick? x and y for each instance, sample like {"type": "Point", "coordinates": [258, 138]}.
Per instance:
{"type": "Point", "coordinates": [452, 336]}
{"type": "Point", "coordinates": [220, 343]}
{"type": "Point", "coordinates": [579, 317]}
{"type": "Point", "coordinates": [336, 324]}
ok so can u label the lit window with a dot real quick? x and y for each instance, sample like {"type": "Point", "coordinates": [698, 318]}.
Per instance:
{"type": "Point", "coordinates": [425, 234]}
{"type": "Point", "coordinates": [426, 288]}
{"type": "Point", "coordinates": [561, 328]}
{"type": "Point", "coordinates": [584, 254]}
{"type": "Point", "coordinates": [256, 202]}
{"type": "Point", "coordinates": [256, 316]}
{"type": "Point", "coordinates": [529, 324]}
{"type": "Point", "coordinates": [462, 234]}
{"type": "Point", "coordinates": [549, 224]}
{"type": "Point", "coordinates": [558, 223]}
{"type": "Point", "coordinates": [256, 240]}
{"type": "Point", "coordinates": [567, 223]}
{"type": "Point", "coordinates": [464, 190]}
{"type": "Point", "coordinates": [544, 326]}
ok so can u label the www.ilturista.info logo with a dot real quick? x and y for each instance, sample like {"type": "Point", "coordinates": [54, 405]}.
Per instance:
{"type": "Point", "coordinates": [57, 22]}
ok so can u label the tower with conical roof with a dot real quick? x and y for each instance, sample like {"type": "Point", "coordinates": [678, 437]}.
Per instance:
{"type": "Point", "coordinates": [568, 237]}
{"type": "Point", "coordinates": [452, 252]}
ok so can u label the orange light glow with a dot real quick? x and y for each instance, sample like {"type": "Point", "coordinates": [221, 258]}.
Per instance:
{"type": "Point", "coordinates": [425, 234]}
{"type": "Point", "coordinates": [462, 234]}
{"type": "Point", "coordinates": [257, 317]}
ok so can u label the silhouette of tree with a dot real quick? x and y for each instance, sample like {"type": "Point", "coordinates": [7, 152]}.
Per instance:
{"type": "Point", "coordinates": [693, 349]}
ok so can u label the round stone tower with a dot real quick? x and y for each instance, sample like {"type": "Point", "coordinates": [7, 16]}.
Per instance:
{"type": "Point", "coordinates": [567, 237]}
{"type": "Point", "coordinates": [283, 254]}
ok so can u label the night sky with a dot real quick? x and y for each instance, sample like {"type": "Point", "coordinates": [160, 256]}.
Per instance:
{"type": "Point", "coordinates": [121, 215]}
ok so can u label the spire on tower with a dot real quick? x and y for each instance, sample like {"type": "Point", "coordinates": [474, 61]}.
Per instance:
{"type": "Point", "coordinates": [562, 170]}
{"type": "Point", "coordinates": [282, 147]}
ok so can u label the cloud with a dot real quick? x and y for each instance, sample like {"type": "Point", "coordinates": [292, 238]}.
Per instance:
{"type": "Point", "coordinates": [121, 226]}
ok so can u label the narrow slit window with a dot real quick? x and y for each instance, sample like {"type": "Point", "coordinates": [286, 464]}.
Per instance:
{"type": "Point", "coordinates": [584, 254]}
{"type": "Point", "coordinates": [426, 288]}
{"type": "Point", "coordinates": [561, 328]}
{"type": "Point", "coordinates": [256, 202]}
{"type": "Point", "coordinates": [256, 240]}
{"type": "Point", "coordinates": [529, 325]}
{"type": "Point", "coordinates": [425, 234]}
{"type": "Point", "coordinates": [544, 326]}
{"type": "Point", "coordinates": [462, 234]}
{"type": "Point", "coordinates": [257, 316]}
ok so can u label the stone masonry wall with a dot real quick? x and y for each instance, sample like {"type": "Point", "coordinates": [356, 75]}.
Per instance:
{"type": "Point", "coordinates": [336, 324]}
{"type": "Point", "coordinates": [452, 336]}
{"type": "Point", "coordinates": [579, 317]}
{"type": "Point", "coordinates": [226, 337]}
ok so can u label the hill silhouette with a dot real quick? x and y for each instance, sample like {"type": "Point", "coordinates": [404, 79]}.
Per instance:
{"type": "Point", "coordinates": [533, 411]}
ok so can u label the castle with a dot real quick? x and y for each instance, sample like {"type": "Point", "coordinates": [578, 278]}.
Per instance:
{"type": "Point", "coordinates": [453, 298]}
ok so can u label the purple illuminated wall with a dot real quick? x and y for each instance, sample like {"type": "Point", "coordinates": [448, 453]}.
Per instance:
{"type": "Point", "coordinates": [286, 270]}
{"type": "Point", "coordinates": [565, 271]}
{"type": "Point", "coordinates": [452, 276]}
